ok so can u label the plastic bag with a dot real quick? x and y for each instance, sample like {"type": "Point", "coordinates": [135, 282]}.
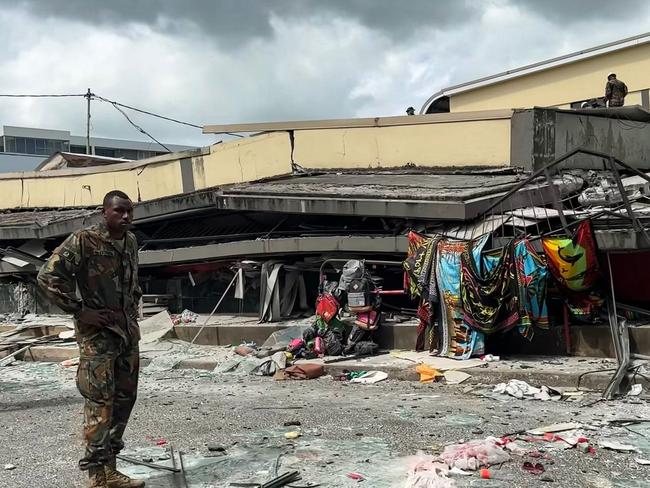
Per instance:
{"type": "Point", "coordinates": [475, 454]}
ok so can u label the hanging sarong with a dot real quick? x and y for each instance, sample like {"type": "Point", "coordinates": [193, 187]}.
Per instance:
{"type": "Point", "coordinates": [573, 262]}
{"type": "Point", "coordinates": [532, 276]}
{"type": "Point", "coordinates": [456, 338]}
{"type": "Point", "coordinates": [489, 298]}
{"type": "Point", "coordinates": [414, 256]}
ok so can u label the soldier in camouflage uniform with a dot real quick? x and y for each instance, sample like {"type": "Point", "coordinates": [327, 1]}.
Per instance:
{"type": "Point", "coordinates": [102, 263]}
{"type": "Point", "coordinates": [615, 91]}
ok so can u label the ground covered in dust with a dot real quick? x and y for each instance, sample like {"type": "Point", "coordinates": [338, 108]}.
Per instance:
{"type": "Point", "coordinates": [232, 429]}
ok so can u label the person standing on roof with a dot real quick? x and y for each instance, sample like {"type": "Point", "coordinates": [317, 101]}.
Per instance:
{"type": "Point", "coordinates": [615, 91]}
{"type": "Point", "coordinates": [102, 263]}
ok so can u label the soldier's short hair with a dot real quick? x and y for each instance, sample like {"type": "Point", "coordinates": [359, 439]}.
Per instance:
{"type": "Point", "coordinates": [108, 198]}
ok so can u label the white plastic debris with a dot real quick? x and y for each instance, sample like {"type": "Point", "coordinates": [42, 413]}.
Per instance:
{"type": "Point", "coordinates": [474, 454]}
{"type": "Point", "coordinates": [370, 378]}
{"type": "Point", "coordinates": [636, 390]}
{"type": "Point", "coordinates": [618, 446]}
{"type": "Point", "coordinates": [553, 428]}
{"type": "Point", "coordinates": [489, 358]}
{"type": "Point", "coordinates": [9, 467]}
{"type": "Point", "coordinates": [521, 389]}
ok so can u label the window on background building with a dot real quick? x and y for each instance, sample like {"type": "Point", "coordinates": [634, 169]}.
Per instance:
{"type": "Point", "coordinates": [105, 151]}
{"type": "Point", "coordinates": [2, 144]}
{"type": "Point", "coordinates": [28, 145]}
{"type": "Point", "coordinates": [78, 149]}
{"type": "Point", "coordinates": [126, 153]}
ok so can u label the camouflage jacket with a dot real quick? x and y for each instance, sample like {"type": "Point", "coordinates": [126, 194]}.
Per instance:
{"type": "Point", "coordinates": [615, 92]}
{"type": "Point", "coordinates": [104, 272]}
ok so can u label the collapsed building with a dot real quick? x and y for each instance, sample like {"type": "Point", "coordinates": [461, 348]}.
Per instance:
{"type": "Point", "coordinates": [302, 193]}
{"type": "Point", "coordinates": [259, 225]}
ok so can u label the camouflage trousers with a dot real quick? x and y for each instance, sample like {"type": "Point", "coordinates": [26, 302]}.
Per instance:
{"type": "Point", "coordinates": [107, 378]}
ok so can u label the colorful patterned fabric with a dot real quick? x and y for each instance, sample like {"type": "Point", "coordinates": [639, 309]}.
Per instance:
{"type": "Point", "coordinates": [419, 267]}
{"type": "Point", "coordinates": [414, 256]}
{"type": "Point", "coordinates": [573, 262]}
{"type": "Point", "coordinates": [489, 297]}
{"type": "Point", "coordinates": [532, 276]}
{"type": "Point", "coordinates": [574, 265]}
{"type": "Point", "coordinates": [456, 338]}
{"type": "Point", "coordinates": [423, 339]}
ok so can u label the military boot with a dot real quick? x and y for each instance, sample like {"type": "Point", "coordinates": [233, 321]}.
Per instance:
{"type": "Point", "coordinates": [115, 479]}
{"type": "Point", "coordinates": [97, 478]}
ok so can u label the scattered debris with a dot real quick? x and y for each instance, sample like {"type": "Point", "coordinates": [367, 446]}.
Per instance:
{"type": "Point", "coordinates": [489, 358]}
{"type": "Point", "coordinates": [617, 446]}
{"type": "Point", "coordinates": [155, 327]}
{"type": "Point", "coordinates": [292, 423]}
{"type": "Point", "coordinates": [303, 371]}
{"type": "Point", "coordinates": [68, 363]}
{"type": "Point", "coordinates": [244, 350]}
{"type": "Point", "coordinates": [554, 428]}
{"type": "Point", "coordinates": [537, 468]}
{"type": "Point", "coordinates": [356, 476]}
{"type": "Point", "coordinates": [453, 377]}
{"type": "Point", "coordinates": [636, 390]}
{"type": "Point", "coordinates": [427, 471]}
{"type": "Point", "coordinates": [520, 389]}
{"type": "Point", "coordinates": [370, 378]}
{"type": "Point", "coordinates": [475, 454]}
{"type": "Point", "coordinates": [186, 317]}
{"type": "Point", "coordinates": [293, 435]}
{"type": "Point", "coordinates": [9, 467]}
{"type": "Point", "coordinates": [427, 373]}
{"type": "Point", "coordinates": [642, 462]}
{"type": "Point", "coordinates": [131, 460]}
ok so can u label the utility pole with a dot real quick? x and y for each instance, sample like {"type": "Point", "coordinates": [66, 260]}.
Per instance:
{"type": "Point", "coordinates": [88, 96]}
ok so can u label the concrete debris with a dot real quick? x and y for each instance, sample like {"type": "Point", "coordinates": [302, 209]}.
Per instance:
{"type": "Point", "coordinates": [156, 327]}
{"type": "Point", "coordinates": [606, 191]}
{"type": "Point", "coordinates": [618, 446]}
{"type": "Point", "coordinates": [453, 377]}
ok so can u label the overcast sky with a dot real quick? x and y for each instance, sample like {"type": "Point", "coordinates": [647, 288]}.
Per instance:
{"type": "Point", "coordinates": [224, 61]}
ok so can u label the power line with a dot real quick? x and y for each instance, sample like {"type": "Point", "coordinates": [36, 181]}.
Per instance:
{"type": "Point", "coordinates": [118, 104]}
{"type": "Point", "coordinates": [146, 112]}
{"type": "Point", "coordinates": [42, 96]}
{"type": "Point", "coordinates": [138, 127]}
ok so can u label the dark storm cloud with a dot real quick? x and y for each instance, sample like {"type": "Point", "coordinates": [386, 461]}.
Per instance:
{"type": "Point", "coordinates": [237, 21]}
{"type": "Point", "coordinates": [566, 12]}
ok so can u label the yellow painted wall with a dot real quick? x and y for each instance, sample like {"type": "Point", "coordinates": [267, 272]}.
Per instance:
{"type": "Point", "coordinates": [250, 159]}
{"type": "Point", "coordinates": [475, 143]}
{"type": "Point", "coordinates": [243, 160]}
{"type": "Point", "coordinates": [484, 142]}
{"type": "Point", "coordinates": [565, 84]}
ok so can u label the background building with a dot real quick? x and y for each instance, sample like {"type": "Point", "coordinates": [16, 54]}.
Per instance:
{"type": "Point", "coordinates": [24, 148]}
{"type": "Point", "coordinates": [562, 82]}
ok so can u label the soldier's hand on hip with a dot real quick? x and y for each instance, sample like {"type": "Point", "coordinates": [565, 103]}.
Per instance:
{"type": "Point", "coordinates": [94, 317]}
